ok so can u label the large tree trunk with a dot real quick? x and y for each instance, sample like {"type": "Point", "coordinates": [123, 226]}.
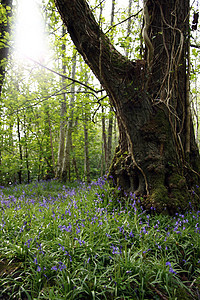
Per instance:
{"type": "Point", "coordinates": [110, 123]}
{"type": "Point", "coordinates": [6, 12]}
{"type": "Point", "coordinates": [155, 157]}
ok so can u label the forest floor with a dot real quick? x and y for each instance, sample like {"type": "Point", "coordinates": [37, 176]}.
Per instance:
{"type": "Point", "coordinates": [82, 242]}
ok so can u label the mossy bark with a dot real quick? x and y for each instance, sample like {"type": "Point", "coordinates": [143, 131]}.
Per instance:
{"type": "Point", "coordinates": [149, 101]}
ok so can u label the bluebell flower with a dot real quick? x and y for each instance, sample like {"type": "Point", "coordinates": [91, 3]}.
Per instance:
{"type": "Point", "coordinates": [172, 271]}
{"type": "Point", "coordinates": [170, 268]}
{"type": "Point", "coordinates": [28, 243]}
{"type": "Point", "coordinates": [80, 241]}
{"type": "Point", "coordinates": [78, 230]}
{"type": "Point", "coordinates": [108, 235]}
{"type": "Point", "coordinates": [61, 266]}
{"type": "Point", "coordinates": [116, 250]}
{"type": "Point", "coordinates": [62, 247]}
{"type": "Point", "coordinates": [38, 269]}
{"type": "Point", "coordinates": [131, 234]}
{"type": "Point", "coordinates": [146, 251]}
{"type": "Point", "coordinates": [35, 261]}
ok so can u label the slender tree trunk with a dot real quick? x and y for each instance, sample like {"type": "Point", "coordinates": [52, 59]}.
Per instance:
{"type": "Point", "coordinates": [196, 109]}
{"type": "Point", "coordinates": [86, 151]}
{"type": "Point", "coordinates": [76, 168]}
{"type": "Point", "coordinates": [104, 139]}
{"type": "Point", "coordinates": [20, 151]}
{"type": "Point", "coordinates": [50, 171]}
{"type": "Point", "coordinates": [62, 137]}
{"type": "Point", "coordinates": [128, 27]}
{"type": "Point", "coordinates": [48, 153]}
{"type": "Point", "coordinates": [26, 149]}
{"type": "Point", "coordinates": [85, 113]}
{"type": "Point", "coordinates": [110, 135]}
{"type": "Point", "coordinates": [149, 99]}
{"type": "Point", "coordinates": [65, 174]}
{"type": "Point", "coordinates": [63, 117]}
{"type": "Point", "coordinates": [51, 141]}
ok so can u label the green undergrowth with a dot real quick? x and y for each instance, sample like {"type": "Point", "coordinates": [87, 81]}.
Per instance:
{"type": "Point", "coordinates": [72, 242]}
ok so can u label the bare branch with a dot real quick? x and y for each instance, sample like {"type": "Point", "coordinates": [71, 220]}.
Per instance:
{"type": "Point", "coordinates": [134, 15]}
{"type": "Point", "coordinates": [34, 104]}
{"type": "Point", "coordinates": [195, 46]}
{"type": "Point", "coordinates": [64, 76]}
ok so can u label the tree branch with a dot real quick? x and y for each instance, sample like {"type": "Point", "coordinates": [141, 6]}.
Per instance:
{"type": "Point", "coordinates": [134, 15]}
{"type": "Point", "coordinates": [64, 76]}
{"type": "Point", "coordinates": [195, 46]}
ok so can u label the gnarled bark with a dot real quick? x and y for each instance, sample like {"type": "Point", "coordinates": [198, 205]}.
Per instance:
{"type": "Point", "coordinates": [149, 100]}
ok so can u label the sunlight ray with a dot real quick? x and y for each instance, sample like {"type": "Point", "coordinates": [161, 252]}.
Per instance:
{"type": "Point", "coordinates": [30, 37]}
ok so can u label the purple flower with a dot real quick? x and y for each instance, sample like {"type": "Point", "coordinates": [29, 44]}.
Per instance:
{"type": "Point", "coordinates": [68, 228]}
{"type": "Point", "coordinates": [61, 266]}
{"type": "Point", "coordinates": [78, 230]}
{"type": "Point", "coordinates": [108, 235]}
{"type": "Point", "coordinates": [62, 247]}
{"type": "Point", "coordinates": [38, 269]}
{"type": "Point", "coordinates": [121, 229]}
{"type": "Point", "coordinates": [54, 268]}
{"type": "Point", "coordinates": [170, 268]}
{"type": "Point", "coordinates": [35, 261]}
{"type": "Point", "coordinates": [116, 250]}
{"type": "Point", "coordinates": [146, 251]}
{"type": "Point", "coordinates": [28, 243]}
{"type": "Point", "coordinates": [80, 241]}
{"type": "Point", "coordinates": [172, 271]}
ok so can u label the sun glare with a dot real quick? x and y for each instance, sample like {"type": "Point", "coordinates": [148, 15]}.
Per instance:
{"type": "Point", "coordinates": [30, 37]}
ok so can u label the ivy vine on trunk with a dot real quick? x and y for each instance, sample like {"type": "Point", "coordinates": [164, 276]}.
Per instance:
{"type": "Point", "coordinates": [157, 156]}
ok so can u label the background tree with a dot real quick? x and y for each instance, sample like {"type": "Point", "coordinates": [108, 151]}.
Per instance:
{"type": "Point", "coordinates": [157, 155]}
{"type": "Point", "coordinates": [63, 111]}
{"type": "Point", "coordinates": [65, 174]}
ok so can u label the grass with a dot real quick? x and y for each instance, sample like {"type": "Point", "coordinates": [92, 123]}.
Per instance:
{"type": "Point", "coordinates": [80, 242]}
